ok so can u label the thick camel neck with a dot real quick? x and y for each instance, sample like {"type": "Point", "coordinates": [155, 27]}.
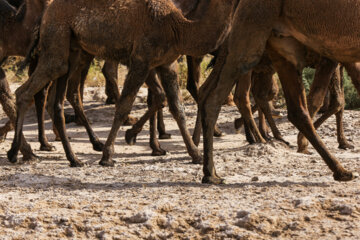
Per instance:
{"type": "Point", "coordinates": [207, 34]}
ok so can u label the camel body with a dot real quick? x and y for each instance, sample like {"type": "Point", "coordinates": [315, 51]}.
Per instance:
{"type": "Point", "coordinates": [145, 35]}
{"type": "Point", "coordinates": [286, 28]}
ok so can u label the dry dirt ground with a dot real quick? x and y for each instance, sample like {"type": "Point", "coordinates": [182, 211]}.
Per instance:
{"type": "Point", "coordinates": [271, 191]}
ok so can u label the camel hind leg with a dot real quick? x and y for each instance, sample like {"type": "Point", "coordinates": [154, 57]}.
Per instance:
{"type": "Point", "coordinates": [53, 63]}
{"type": "Point", "coordinates": [298, 114]}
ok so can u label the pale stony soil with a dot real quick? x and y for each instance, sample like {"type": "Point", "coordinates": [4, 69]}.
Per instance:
{"type": "Point", "coordinates": [271, 191]}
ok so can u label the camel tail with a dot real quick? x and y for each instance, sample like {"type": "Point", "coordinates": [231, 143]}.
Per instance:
{"type": "Point", "coordinates": [32, 52]}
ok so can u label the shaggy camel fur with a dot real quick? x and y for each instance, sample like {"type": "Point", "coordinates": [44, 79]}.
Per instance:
{"type": "Point", "coordinates": [284, 27]}
{"type": "Point", "coordinates": [148, 35]}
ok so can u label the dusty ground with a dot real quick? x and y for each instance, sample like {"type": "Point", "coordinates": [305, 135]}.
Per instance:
{"type": "Point", "coordinates": [271, 191]}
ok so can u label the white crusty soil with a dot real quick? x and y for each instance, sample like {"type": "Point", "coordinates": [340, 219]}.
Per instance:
{"type": "Point", "coordinates": [271, 191]}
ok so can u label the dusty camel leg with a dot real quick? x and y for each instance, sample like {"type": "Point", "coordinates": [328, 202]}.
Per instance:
{"type": "Point", "coordinates": [264, 89]}
{"type": "Point", "coordinates": [137, 75]}
{"type": "Point", "coordinates": [263, 128]}
{"type": "Point", "coordinates": [212, 95]}
{"type": "Point", "coordinates": [157, 91]}
{"type": "Point", "coordinates": [154, 143]}
{"type": "Point", "coordinates": [240, 121]}
{"type": "Point", "coordinates": [8, 104]}
{"type": "Point", "coordinates": [192, 86]}
{"type": "Point", "coordinates": [5, 129]}
{"type": "Point", "coordinates": [110, 73]}
{"type": "Point", "coordinates": [74, 97]}
{"type": "Point", "coordinates": [168, 77]}
{"type": "Point", "coordinates": [59, 121]}
{"type": "Point", "coordinates": [161, 125]}
{"type": "Point", "coordinates": [53, 63]}
{"type": "Point", "coordinates": [242, 100]}
{"type": "Point", "coordinates": [336, 106]}
{"type": "Point", "coordinates": [318, 89]}
{"type": "Point", "coordinates": [299, 115]}
{"type": "Point", "coordinates": [40, 103]}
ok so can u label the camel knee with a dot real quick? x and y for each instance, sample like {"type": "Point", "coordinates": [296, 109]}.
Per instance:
{"type": "Point", "coordinates": [298, 117]}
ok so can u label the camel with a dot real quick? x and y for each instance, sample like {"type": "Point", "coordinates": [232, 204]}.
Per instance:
{"type": "Point", "coordinates": [23, 20]}
{"type": "Point", "coordinates": [148, 35]}
{"type": "Point", "coordinates": [284, 28]}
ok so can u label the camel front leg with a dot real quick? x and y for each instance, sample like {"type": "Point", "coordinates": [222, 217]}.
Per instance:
{"type": "Point", "coordinates": [110, 72]}
{"type": "Point", "coordinates": [168, 77]}
{"type": "Point", "coordinates": [137, 75]}
{"type": "Point", "coordinates": [298, 114]}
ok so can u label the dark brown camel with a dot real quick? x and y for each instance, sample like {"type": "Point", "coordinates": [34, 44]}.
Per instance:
{"type": "Point", "coordinates": [149, 35]}
{"type": "Point", "coordinates": [283, 27]}
{"type": "Point", "coordinates": [16, 43]}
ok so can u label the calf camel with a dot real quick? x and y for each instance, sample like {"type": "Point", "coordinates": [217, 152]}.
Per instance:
{"type": "Point", "coordinates": [23, 21]}
{"type": "Point", "coordinates": [148, 35]}
{"type": "Point", "coordinates": [284, 28]}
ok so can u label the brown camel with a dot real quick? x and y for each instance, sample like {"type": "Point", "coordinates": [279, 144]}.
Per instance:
{"type": "Point", "coordinates": [16, 43]}
{"type": "Point", "coordinates": [283, 27]}
{"type": "Point", "coordinates": [148, 35]}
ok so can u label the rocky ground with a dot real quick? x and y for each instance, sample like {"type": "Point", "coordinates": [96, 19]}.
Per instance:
{"type": "Point", "coordinates": [271, 191]}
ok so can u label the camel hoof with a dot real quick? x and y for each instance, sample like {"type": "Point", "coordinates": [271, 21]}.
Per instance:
{"type": "Point", "coordinates": [12, 156]}
{"type": "Point", "coordinates": [238, 124]}
{"type": "Point", "coordinates": [110, 101]}
{"type": "Point", "coordinates": [304, 151]}
{"type": "Point", "coordinates": [98, 146]}
{"type": "Point", "coordinates": [47, 147]}
{"type": "Point", "coordinates": [346, 146]}
{"type": "Point", "coordinates": [76, 163]}
{"type": "Point", "coordinates": [3, 137]}
{"type": "Point", "coordinates": [217, 132]}
{"type": "Point", "coordinates": [158, 152]}
{"type": "Point", "coordinates": [345, 176]}
{"type": "Point", "coordinates": [197, 160]}
{"type": "Point", "coordinates": [107, 163]}
{"type": "Point", "coordinates": [130, 121]}
{"type": "Point", "coordinates": [165, 136]}
{"type": "Point", "coordinates": [130, 138]}
{"type": "Point", "coordinates": [31, 157]}
{"type": "Point", "coordinates": [213, 180]}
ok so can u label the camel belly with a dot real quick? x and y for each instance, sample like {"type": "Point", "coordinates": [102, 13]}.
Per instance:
{"type": "Point", "coordinates": [334, 32]}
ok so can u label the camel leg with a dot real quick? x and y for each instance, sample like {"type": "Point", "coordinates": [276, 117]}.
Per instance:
{"type": "Point", "coordinates": [8, 104]}
{"type": "Point", "coordinates": [336, 106]}
{"type": "Point", "coordinates": [53, 63]}
{"type": "Point", "coordinates": [238, 123]}
{"type": "Point", "coordinates": [192, 86]}
{"type": "Point", "coordinates": [168, 77]}
{"type": "Point", "coordinates": [319, 87]}
{"type": "Point", "coordinates": [157, 103]}
{"type": "Point", "coordinates": [263, 128]}
{"type": "Point", "coordinates": [298, 114]}
{"type": "Point", "coordinates": [353, 69]}
{"type": "Point", "coordinates": [242, 100]}
{"type": "Point", "coordinates": [154, 142]}
{"type": "Point", "coordinates": [5, 129]}
{"type": "Point", "coordinates": [264, 90]}
{"type": "Point", "coordinates": [161, 125]}
{"type": "Point", "coordinates": [40, 103]}
{"type": "Point", "coordinates": [136, 76]}
{"type": "Point", "coordinates": [110, 73]}
{"type": "Point", "coordinates": [74, 97]}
